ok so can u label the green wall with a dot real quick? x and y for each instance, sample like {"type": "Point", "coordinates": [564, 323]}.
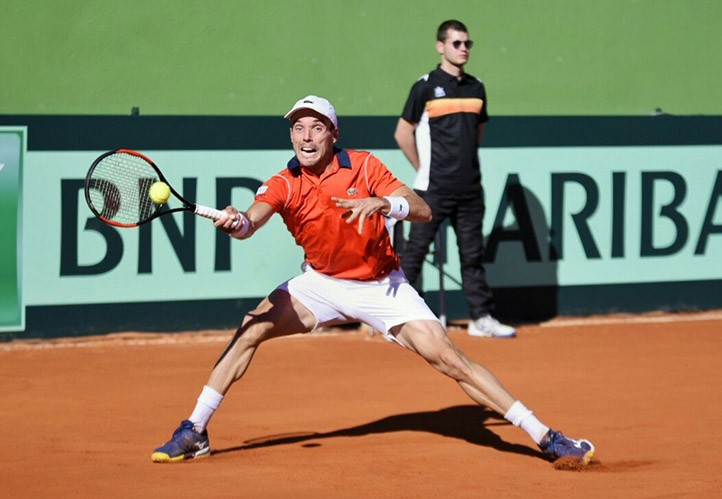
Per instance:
{"type": "Point", "coordinates": [234, 57]}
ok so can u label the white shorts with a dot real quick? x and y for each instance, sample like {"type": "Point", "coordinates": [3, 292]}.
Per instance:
{"type": "Point", "coordinates": [380, 304]}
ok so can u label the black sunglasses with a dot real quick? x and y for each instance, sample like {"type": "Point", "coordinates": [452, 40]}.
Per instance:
{"type": "Point", "coordinates": [457, 43]}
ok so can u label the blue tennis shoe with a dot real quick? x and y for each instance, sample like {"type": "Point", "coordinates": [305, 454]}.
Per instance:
{"type": "Point", "coordinates": [556, 445]}
{"type": "Point", "coordinates": [186, 443]}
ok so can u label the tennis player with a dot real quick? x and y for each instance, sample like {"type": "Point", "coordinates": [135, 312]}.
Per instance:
{"type": "Point", "coordinates": [334, 203]}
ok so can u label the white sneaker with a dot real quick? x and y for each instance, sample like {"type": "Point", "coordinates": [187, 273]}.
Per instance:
{"type": "Point", "coordinates": [488, 327]}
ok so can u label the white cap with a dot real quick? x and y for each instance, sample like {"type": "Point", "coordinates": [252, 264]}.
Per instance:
{"type": "Point", "coordinates": [319, 104]}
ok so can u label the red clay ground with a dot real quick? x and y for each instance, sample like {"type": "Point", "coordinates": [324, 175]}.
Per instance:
{"type": "Point", "coordinates": [349, 415]}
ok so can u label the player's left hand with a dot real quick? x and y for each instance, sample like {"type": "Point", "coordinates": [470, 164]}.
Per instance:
{"type": "Point", "coordinates": [360, 209]}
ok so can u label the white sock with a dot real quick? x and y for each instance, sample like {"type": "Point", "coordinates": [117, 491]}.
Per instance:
{"type": "Point", "coordinates": [518, 415]}
{"type": "Point", "coordinates": [208, 401]}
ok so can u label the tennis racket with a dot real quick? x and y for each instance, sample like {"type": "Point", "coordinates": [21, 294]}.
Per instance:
{"type": "Point", "coordinates": [117, 190]}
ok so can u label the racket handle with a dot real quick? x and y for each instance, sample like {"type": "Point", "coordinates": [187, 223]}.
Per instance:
{"type": "Point", "coordinates": [211, 213]}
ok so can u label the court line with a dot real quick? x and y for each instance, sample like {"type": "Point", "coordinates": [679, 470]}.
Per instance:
{"type": "Point", "coordinates": [187, 338]}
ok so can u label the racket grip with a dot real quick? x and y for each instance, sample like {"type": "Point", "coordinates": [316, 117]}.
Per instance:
{"type": "Point", "coordinates": [211, 213]}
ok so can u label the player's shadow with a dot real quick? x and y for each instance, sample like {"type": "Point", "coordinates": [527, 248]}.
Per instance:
{"type": "Point", "coordinates": [464, 422]}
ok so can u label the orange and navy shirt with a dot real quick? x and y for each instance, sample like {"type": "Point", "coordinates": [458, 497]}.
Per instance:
{"type": "Point", "coordinates": [448, 112]}
{"type": "Point", "coordinates": [332, 246]}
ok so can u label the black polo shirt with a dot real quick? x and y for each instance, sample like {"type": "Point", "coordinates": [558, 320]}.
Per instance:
{"type": "Point", "coordinates": [448, 112]}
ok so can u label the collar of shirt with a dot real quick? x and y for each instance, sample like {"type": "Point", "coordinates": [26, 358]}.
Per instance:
{"type": "Point", "coordinates": [441, 74]}
{"type": "Point", "coordinates": [344, 161]}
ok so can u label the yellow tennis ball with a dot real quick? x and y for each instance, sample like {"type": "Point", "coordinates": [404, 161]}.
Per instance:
{"type": "Point", "coordinates": [159, 192]}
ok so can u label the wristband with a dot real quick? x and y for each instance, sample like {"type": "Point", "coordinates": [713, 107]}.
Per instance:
{"type": "Point", "coordinates": [242, 227]}
{"type": "Point", "coordinates": [399, 207]}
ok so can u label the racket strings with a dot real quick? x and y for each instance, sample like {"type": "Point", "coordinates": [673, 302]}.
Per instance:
{"type": "Point", "coordinates": [119, 189]}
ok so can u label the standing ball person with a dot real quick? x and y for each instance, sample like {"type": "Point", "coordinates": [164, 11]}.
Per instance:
{"type": "Point", "coordinates": [334, 203]}
{"type": "Point", "coordinates": [439, 132]}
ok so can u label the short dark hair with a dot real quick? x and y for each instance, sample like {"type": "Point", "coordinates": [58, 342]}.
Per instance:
{"type": "Point", "coordinates": [446, 26]}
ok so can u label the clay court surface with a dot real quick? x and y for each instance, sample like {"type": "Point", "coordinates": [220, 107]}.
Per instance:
{"type": "Point", "coordinates": [347, 415]}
